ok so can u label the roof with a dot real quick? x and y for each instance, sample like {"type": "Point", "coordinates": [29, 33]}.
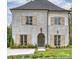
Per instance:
{"type": "Point", "coordinates": [39, 4]}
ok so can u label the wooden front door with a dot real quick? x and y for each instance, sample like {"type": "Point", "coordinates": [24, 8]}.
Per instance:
{"type": "Point", "coordinates": [41, 40]}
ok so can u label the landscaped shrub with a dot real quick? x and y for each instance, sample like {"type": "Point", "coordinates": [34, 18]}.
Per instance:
{"type": "Point", "coordinates": [46, 55]}
{"type": "Point", "coordinates": [31, 46]}
{"type": "Point", "coordinates": [48, 46]}
{"type": "Point", "coordinates": [35, 56]}
{"type": "Point", "coordinates": [18, 57]}
{"type": "Point", "coordinates": [11, 42]}
{"type": "Point", "coordinates": [26, 56]}
{"type": "Point", "coordinates": [40, 55]}
{"type": "Point", "coordinates": [24, 46]}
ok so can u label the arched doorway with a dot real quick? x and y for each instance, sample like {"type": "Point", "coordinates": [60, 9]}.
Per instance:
{"type": "Point", "coordinates": [41, 40]}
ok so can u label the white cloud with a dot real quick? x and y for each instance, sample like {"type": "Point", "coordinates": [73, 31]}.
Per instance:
{"type": "Point", "coordinates": [62, 3]}
{"type": "Point", "coordinates": [67, 5]}
{"type": "Point", "coordinates": [57, 1]}
{"type": "Point", "coordinates": [18, 1]}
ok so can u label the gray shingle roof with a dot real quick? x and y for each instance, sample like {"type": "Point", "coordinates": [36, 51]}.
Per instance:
{"type": "Point", "coordinates": [39, 4]}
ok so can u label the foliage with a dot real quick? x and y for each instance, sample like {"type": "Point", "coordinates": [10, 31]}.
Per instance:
{"type": "Point", "coordinates": [70, 28]}
{"type": "Point", "coordinates": [10, 41]}
{"type": "Point", "coordinates": [24, 46]}
{"type": "Point", "coordinates": [48, 46]}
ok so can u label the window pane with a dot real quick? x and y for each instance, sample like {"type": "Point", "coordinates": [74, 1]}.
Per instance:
{"type": "Point", "coordinates": [57, 20]}
{"type": "Point", "coordinates": [21, 39]}
{"type": "Point", "coordinates": [55, 40]}
{"type": "Point", "coordinates": [25, 39]}
{"type": "Point", "coordinates": [29, 20]}
{"type": "Point", "coordinates": [58, 39]}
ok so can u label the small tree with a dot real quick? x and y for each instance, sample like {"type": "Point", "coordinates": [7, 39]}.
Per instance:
{"type": "Point", "coordinates": [10, 41]}
{"type": "Point", "coordinates": [70, 27]}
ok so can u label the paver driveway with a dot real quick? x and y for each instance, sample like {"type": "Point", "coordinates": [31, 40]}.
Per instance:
{"type": "Point", "coordinates": [19, 51]}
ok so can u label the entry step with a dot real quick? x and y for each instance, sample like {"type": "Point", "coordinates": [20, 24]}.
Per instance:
{"type": "Point", "coordinates": [41, 49]}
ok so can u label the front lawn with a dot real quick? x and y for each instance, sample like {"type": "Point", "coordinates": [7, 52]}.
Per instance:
{"type": "Point", "coordinates": [56, 53]}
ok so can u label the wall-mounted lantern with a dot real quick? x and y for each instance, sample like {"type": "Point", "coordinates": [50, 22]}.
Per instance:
{"type": "Point", "coordinates": [57, 32]}
{"type": "Point", "coordinates": [41, 30]}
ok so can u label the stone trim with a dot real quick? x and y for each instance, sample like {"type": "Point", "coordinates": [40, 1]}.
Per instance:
{"type": "Point", "coordinates": [34, 22]}
{"type": "Point", "coordinates": [52, 41]}
{"type": "Point", "coordinates": [52, 20]}
{"type": "Point", "coordinates": [62, 21]}
{"type": "Point", "coordinates": [62, 41]}
{"type": "Point", "coordinates": [29, 39]}
{"type": "Point", "coordinates": [17, 40]}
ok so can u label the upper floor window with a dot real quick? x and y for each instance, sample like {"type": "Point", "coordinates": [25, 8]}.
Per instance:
{"type": "Point", "coordinates": [57, 20]}
{"type": "Point", "coordinates": [29, 20]}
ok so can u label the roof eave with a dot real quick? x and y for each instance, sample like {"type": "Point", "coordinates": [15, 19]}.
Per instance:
{"type": "Point", "coordinates": [42, 9]}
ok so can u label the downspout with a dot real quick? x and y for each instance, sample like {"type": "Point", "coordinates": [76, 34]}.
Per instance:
{"type": "Point", "coordinates": [47, 28]}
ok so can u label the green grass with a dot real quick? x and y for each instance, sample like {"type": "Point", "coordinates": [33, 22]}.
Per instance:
{"type": "Point", "coordinates": [54, 53]}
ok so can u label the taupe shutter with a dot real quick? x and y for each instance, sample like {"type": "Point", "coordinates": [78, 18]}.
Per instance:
{"type": "Point", "coordinates": [23, 20]}
{"type": "Point", "coordinates": [62, 40]}
{"type": "Point", "coordinates": [29, 39]}
{"type": "Point", "coordinates": [52, 41]}
{"type": "Point", "coordinates": [34, 20]}
{"type": "Point", "coordinates": [17, 40]}
{"type": "Point", "coordinates": [52, 20]}
{"type": "Point", "coordinates": [62, 21]}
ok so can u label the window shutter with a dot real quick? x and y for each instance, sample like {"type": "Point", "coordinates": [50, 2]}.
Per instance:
{"type": "Point", "coordinates": [23, 20]}
{"type": "Point", "coordinates": [62, 21]}
{"type": "Point", "coordinates": [34, 22]}
{"type": "Point", "coordinates": [28, 39]}
{"type": "Point", "coordinates": [52, 20]}
{"type": "Point", "coordinates": [62, 40]}
{"type": "Point", "coordinates": [17, 40]}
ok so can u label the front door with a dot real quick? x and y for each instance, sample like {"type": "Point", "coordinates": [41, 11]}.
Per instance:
{"type": "Point", "coordinates": [41, 40]}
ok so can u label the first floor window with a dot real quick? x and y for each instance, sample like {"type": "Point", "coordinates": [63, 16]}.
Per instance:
{"type": "Point", "coordinates": [23, 39]}
{"type": "Point", "coordinates": [57, 40]}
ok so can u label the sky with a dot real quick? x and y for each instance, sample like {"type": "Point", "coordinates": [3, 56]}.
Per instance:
{"type": "Point", "coordinates": [66, 4]}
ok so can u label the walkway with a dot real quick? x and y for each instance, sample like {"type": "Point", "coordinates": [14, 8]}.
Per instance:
{"type": "Point", "coordinates": [19, 51]}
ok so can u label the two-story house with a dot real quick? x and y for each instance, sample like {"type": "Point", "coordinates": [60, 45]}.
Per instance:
{"type": "Point", "coordinates": [40, 22]}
